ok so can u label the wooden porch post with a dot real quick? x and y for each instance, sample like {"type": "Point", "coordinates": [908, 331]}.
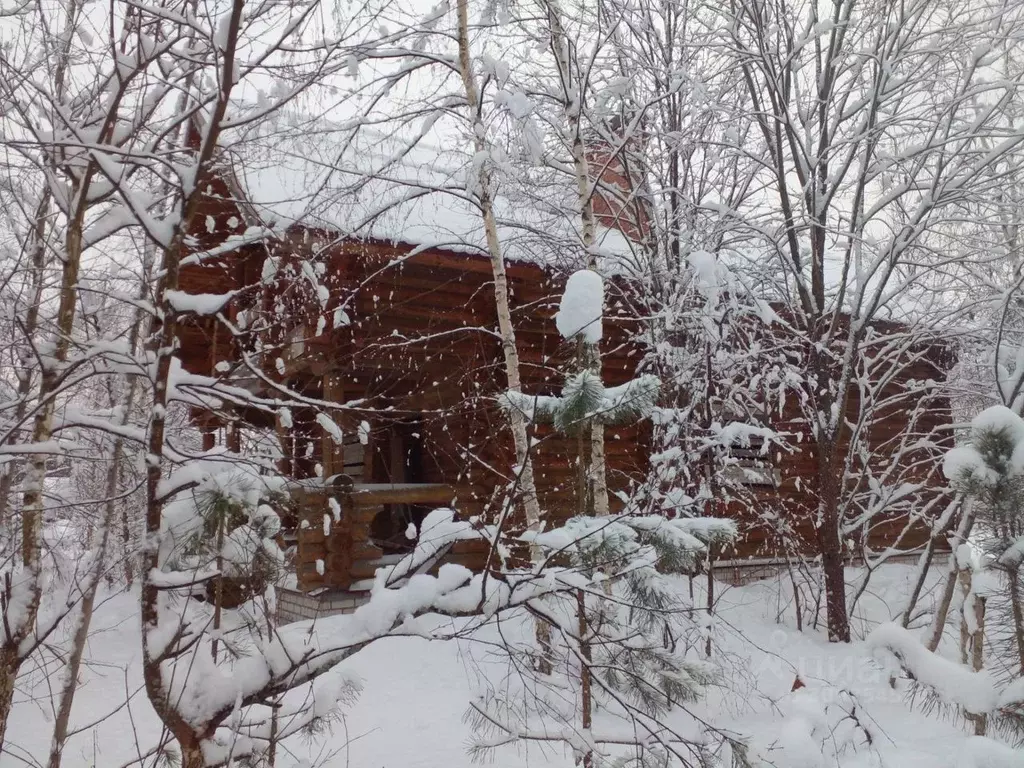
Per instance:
{"type": "Point", "coordinates": [331, 458]}
{"type": "Point", "coordinates": [209, 434]}
{"type": "Point", "coordinates": [285, 465]}
{"type": "Point", "coordinates": [234, 434]}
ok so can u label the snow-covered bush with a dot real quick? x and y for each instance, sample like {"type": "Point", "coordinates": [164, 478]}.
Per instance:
{"type": "Point", "coordinates": [223, 533]}
{"type": "Point", "coordinates": [585, 397]}
{"type": "Point", "coordinates": [986, 686]}
{"type": "Point", "coordinates": [819, 726]}
{"type": "Point", "coordinates": [989, 472]}
{"type": "Point", "coordinates": [622, 650]}
{"type": "Point", "coordinates": [951, 687]}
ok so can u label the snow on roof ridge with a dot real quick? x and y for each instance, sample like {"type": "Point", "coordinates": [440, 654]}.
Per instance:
{"type": "Point", "coordinates": [293, 174]}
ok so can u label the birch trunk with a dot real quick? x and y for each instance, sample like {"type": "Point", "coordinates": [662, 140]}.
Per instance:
{"type": "Point", "coordinates": [31, 324]}
{"type": "Point", "coordinates": [972, 637]}
{"type": "Point", "coordinates": [925, 563]}
{"type": "Point", "coordinates": [526, 485]}
{"type": "Point", "coordinates": [30, 577]}
{"type": "Point", "coordinates": [963, 532]}
{"type": "Point", "coordinates": [524, 482]}
{"type": "Point", "coordinates": [590, 359]}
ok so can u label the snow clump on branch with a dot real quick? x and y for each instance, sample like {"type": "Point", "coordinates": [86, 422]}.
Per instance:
{"type": "Point", "coordinates": [581, 309]}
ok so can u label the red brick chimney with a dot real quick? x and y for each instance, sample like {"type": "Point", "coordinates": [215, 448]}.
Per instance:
{"type": "Point", "coordinates": [616, 202]}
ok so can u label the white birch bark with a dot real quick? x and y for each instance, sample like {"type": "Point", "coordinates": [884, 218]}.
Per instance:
{"type": "Point", "coordinates": [963, 532]}
{"type": "Point", "coordinates": [37, 250]}
{"type": "Point", "coordinates": [525, 484]}
{"type": "Point", "coordinates": [572, 106]}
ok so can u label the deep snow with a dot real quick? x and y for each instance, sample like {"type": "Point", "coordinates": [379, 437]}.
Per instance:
{"type": "Point", "coordinates": [415, 694]}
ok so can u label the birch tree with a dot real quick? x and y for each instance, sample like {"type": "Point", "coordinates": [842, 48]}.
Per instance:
{"type": "Point", "coordinates": [484, 193]}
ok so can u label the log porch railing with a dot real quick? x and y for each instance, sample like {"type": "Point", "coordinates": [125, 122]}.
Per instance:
{"type": "Point", "coordinates": [335, 548]}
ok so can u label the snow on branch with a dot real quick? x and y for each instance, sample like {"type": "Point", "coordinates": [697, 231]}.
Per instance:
{"type": "Point", "coordinates": [438, 531]}
{"type": "Point", "coordinates": [299, 654]}
{"type": "Point", "coordinates": [581, 309]}
{"type": "Point", "coordinates": [534, 408]}
{"type": "Point", "coordinates": [585, 397]}
{"type": "Point", "coordinates": [198, 303]}
{"type": "Point", "coordinates": [628, 534]}
{"type": "Point", "coordinates": [898, 648]}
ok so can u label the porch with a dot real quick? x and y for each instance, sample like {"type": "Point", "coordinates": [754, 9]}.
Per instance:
{"type": "Point", "coordinates": [345, 530]}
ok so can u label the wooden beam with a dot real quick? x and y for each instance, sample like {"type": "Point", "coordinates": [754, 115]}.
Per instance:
{"type": "Point", "coordinates": [285, 464]}
{"type": "Point", "coordinates": [404, 494]}
{"type": "Point", "coordinates": [367, 495]}
{"type": "Point", "coordinates": [330, 460]}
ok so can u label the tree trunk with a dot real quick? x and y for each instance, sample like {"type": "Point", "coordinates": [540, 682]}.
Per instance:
{"type": "Point", "coordinates": [972, 642]}
{"type": "Point", "coordinates": [830, 546]}
{"type": "Point", "coordinates": [42, 432]}
{"type": "Point", "coordinates": [192, 755]}
{"type": "Point", "coordinates": [9, 663]}
{"type": "Point", "coordinates": [113, 482]}
{"type": "Point", "coordinates": [964, 577]}
{"type": "Point", "coordinates": [273, 739]}
{"type": "Point", "coordinates": [598, 470]}
{"type": "Point", "coordinates": [74, 664]}
{"type": "Point", "coordinates": [925, 564]}
{"type": "Point", "coordinates": [126, 548]}
{"type": "Point", "coordinates": [218, 593]}
{"type": "Point", "coordinates": [32, 506]}
{"type": "Point", "coordinates": [525, 485]}
{"type": "Point", "coordinates": [963, 532]}
{"type": "Point", "coordinates": [586, 696]}
{"type": "Point", "coordinates": [1013, 575]}
{"type": "Point", "coordinates": [796, 596]}
{"type": "Point", "coordinates": [711, 597]}
{"type": "Point", "coordinates": [31, 324]}
{"type": "Point", "coordinates": [589, 355]}
{"type": "Point", "coordinates": [161, 342]}
{"type": "Point", "coordinates": [524, 463]}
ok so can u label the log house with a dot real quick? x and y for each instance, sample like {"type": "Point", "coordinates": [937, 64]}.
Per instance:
{"type": "Point", "coordinates": [404, 344]}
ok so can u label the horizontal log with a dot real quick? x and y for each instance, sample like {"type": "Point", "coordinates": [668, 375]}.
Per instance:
{"type": "Point", "coordinates": [404, 494]}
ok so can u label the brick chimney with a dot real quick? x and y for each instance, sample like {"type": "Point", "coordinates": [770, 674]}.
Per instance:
{"type": "Point", "coordinates": [616, 202]}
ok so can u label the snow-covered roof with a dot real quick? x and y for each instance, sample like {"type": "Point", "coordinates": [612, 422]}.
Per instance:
{"type": "Point", "coordinates": [373, 186]}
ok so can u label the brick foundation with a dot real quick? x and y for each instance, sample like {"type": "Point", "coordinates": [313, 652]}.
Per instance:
{"type": "Point", "coordinates": [293, 605]}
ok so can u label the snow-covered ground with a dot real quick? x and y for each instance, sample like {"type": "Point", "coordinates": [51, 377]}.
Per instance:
{"type": "Point", "coordinates": [415, 693]}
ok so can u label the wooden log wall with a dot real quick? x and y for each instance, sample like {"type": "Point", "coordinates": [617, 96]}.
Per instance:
{"type": "Point", "coordinates": [416, 345]}
{"type": "Point", "coordinates": [202, 343]}
{"type": "Point", "coordinates": [902, 429]}
{"type": "Point", "coordinates": [421, 344]}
